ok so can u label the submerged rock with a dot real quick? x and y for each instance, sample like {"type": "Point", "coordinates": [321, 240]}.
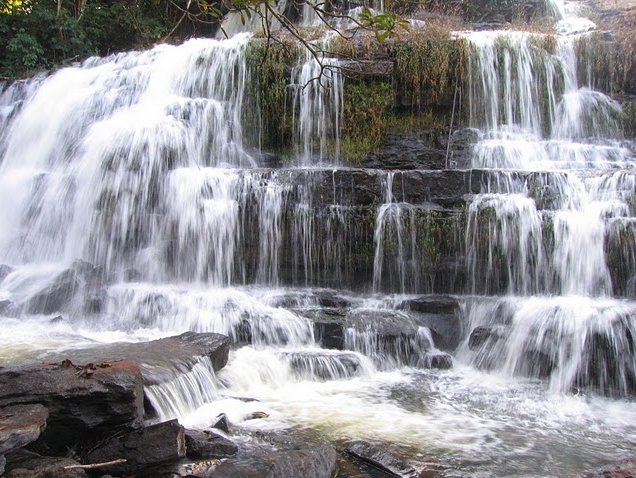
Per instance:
{"type": "Point", "coordinates": [5, 270]}
{"type": "Point", "coordinates": [207, 444]}
{"type": "Point", "coordinates": [316, 365]}
{"type": "Point", "coordinates": [56, 296]}
{"type": "Point", "coordinates": [439, 360]}
{"type": "Point", "coordinates": [222, 423]}
{"type": "Point", "coordinates": [482, 334]}
{"type": "Point", "coordinates": [378, 456]}
{"type": "Point", "coordinates": [317, 461]}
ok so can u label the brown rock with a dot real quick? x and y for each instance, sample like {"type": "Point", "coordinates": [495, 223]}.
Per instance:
{"type": "Point", "coordinates": [82, 403]}
{"type": "Point", "coordinates": [21, 425]}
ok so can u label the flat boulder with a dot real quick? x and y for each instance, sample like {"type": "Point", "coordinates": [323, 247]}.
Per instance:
{"type": "Point", "coordinates": [163, 359]}
{"type": "Point", "coordinates": [83, 402]}
{"type": "Point", "coordinates": [21, 425]}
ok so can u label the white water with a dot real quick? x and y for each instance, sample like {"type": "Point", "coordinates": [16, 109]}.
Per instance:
{"type": "Point", "coordinates": [137, 163]}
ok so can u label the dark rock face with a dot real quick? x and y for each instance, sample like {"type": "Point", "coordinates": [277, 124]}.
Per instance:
{"type": "Point", "coordinates": [207, 444]}
{"type": "Point", "coordinates": [56, 296]}
{"type": "Point", "coordinates": [222, 423]}
{"type": "Point", "coordinates": [328, 327]}
{"type": "Point", "coordinates": [21, 425]}
{"type": "Point", "coordinates": [441, 314]}
{"type": "Point", "coordinates": [31, 465]}
{"type": "Point", "coordinates": [462, 142]}
{"type": "Point", "coordinates": [482, 334]}
{"type": "Point", "coordinates": [142, 449]}
{"type": "Point", "coordinates": [391, 334]}
{"type": "Point", "coordinates": [379, 457]}
{"type": "Point", "coordinates": [82, 404]}
{"type": "Point", "coordinates": [64, 288]}
{"type": "Point", "coordinates": [314, 462]}
{"type": "Point", "coordinates": [407, 151]}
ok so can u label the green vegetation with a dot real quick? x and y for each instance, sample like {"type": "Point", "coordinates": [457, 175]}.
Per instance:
{"type": "Point", "coordinates": [268, 105]}
{"type": "Point", "coordinates": [427, 62]}
{"type": "Point", "coordinates": [40, 34]}
{"type": "Point", "coordinates": [366, 113]}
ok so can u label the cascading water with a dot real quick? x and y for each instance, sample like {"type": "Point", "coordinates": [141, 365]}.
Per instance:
{"type": "Point", "coordinates": [128, 184]}
{"type": "Point", "coordinates": [549, 232]}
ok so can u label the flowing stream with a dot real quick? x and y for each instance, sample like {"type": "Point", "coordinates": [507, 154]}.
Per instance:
{"type": "Point", "coordinates": [130, 175]}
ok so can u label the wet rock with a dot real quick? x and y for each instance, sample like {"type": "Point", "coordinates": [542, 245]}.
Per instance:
{"type": "Point", "coordinates": [434, 304]}
{"type": "Point", "coordinates": [222, 423]}
{"type": "Point", "coordinates": [142, 449]}
{"type": "Point", "coordinates": [328, 326]}
{"type": "Point", "coordinates": [482, 334]}
{"type": "Point", "coordinates": [160, 360]}
{"type": "Point", "coordinates": [30, 465]}
{"type": "Point", "coordinates": [150, 307]}
{"type": "Point", "coordinates": [207, 444]}
{"type": "Point", "coordinates": [267, 160]}
{"type": "Point", "coordinates": [382, 334]}
{"type": "Point", "coordinates": [607, 363]}
{"type": "Point", "coordinates": [378, 456]}
{"type": "Point", "coordinates": [21, 425]}
{"type": "Point", "coordinates": [441, 315]}
{"type": "Point", "coordinates": [438, 360]}
{"type": "Point", "coordinates": [5, 270]}
{"type": "Point", "coordinates": [332, 300]}
{"type": "Point", "coordinates": [318, 461]}
{"type": "Point", "coordinates": [56, 320]}
{"type": "Point", "coordinates": [243, 333]}
{"type": "Point", "coordinates": [536, 363]}
{"type": "Point", "coordinates": [462, 142]}
{"type": "Point", "coordinates": [56, 296]}
{"type": "Point", "coordinates": [446, 188]}
{"type": "Point", "coordinates": [408, 151]}
{"type": "Point", "coordinates": [324, 365]}
{"type": "Point", "coordinates": [82, 404]}
{"type": "Point", "coordinates": [7, 309]}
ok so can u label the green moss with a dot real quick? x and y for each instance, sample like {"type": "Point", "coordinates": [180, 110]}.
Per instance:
{"type": "Point", "coordinates": [367, 107]}
{"type": "Point", "coordinates": [426, 63]}
{"type": "Point", "coordinates": [629, 124]}
{"type": "Point", "coordinates": [267, 108]}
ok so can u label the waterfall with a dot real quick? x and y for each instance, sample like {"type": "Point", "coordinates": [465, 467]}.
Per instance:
{"type": "Point", "coordinates": [554, 240]}
{"type": "Point", "coordinates": [317, 90]}
{"type": "Point", "coordinates": [487, 311]}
